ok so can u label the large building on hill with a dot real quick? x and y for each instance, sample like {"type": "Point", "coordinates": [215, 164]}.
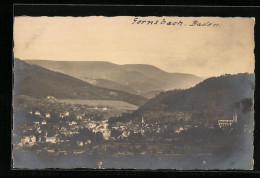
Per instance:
{"type": "Point", "coordinates": [228, 123]}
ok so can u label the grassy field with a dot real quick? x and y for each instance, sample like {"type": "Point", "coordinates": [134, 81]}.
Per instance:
{"type": "Point", "coordinates": [115, 104]}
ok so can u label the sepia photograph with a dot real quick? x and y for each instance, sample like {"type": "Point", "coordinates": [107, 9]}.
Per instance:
{"type": "Point", "coordinates": [132, 92]}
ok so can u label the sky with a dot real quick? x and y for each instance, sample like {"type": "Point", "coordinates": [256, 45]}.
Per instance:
{"type": "Point", "coordinates": [227, 48]}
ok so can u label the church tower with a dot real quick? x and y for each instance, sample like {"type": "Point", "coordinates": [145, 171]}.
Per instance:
{"type": "Point", "coordinates": [235, 118]}
{"type": "Point", "coordinates": [142, 127]}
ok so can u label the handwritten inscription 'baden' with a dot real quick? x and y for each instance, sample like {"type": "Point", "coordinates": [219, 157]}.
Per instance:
{"type": "Point", "coordinates": [194, 23]}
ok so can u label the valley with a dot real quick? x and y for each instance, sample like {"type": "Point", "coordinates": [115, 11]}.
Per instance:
{"type": "Point", "coordinates": [59, 117]}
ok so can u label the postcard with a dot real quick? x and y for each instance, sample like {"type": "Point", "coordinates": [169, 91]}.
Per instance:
{"type": "Point", "coordinates": [131, 92]}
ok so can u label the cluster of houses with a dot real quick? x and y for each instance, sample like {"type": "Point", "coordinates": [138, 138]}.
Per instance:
{"type": "Point", "coordinates": [143, 128]}
{"type": "Point", "coordinates": [68, 128]}
{"type": "Point", "coordinates": [153, 127]}
{"type": "Point", "coordinates": [31, 140]}
{"type": "Point", "coordinates": [71, 127]}
{"type": "Point", "coordinates": [98, 126]}
{"type": "Point", "coordinates": [28, 140]}
{"type": "Point", "coordinates": [102, 126]}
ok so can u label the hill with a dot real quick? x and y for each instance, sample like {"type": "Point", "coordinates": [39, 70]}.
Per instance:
{"type": "Point", "coordinates": [36, 81]}
{"type": "Point", "coordinates": [138, 78]}
{"type": "Point", "coordinates": [173, 80]}
{"type": "Point", "coordinates": [213, 93]}
{"type": "Point", "coordinates": [111, 85]}
{"type": "Point", "coordinates": [213, 99]}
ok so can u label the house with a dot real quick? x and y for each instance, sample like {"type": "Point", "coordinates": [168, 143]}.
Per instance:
{"type": "Point", "coordinates": [106, 134]}
{"type": "Point", "coordinates": [63, 129]}
{"type": "Point", "coordinates": [30, 140]}
{"type": "Point", "coordinates": [47, 115]}
{"type": "Point", "coordinates": [99, 165]}
{"type": "Point", "coordinates": [112, 93]}
{"type": "Point", "coordinates": [51, 139]}
{"type": "Point", "coordinates": [73, 123]}
{"type": "Point", "coordinates": [62, 115]}
{"type": "Point", "coordinates": [37, 113]}
{"type": "Point", "coordinates": [125, 134]}
{"type": "Point", "coordinates": [179, 130]}
{"type": "Point", "coordinates": [67, 133]}
{"type": "Point", "coordinates": [80, 143]}
{"type": "Point", "coordinates": [158, 130]}
{"type": "Point", "coordinates": [50, 151]}
{"type": "Point", "coordinates": [91, 125]}
{"type": "Point", "coordinates": [39, 130]}
{"type": "Point", "coordinates": [103, 128]}
{"type": "Point", "coordinates": [79, 116]}
{"type": "Point", "coordinates": [50, 97]}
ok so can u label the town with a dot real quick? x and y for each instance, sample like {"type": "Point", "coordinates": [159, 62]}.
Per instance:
{"type": "Point", "coordinates": [60, 128]}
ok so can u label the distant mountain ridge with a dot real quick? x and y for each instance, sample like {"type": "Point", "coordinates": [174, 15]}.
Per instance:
{"type": "Point", "coordinates": [138, 78]}
{"type": "Point", "coordinates": [36, 81]}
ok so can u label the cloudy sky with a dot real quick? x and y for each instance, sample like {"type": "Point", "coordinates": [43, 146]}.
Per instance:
{"type": "Point", "coordinates": [199, 50]}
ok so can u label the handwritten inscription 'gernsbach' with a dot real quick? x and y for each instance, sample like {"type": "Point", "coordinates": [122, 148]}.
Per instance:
{"type": "Point", "coordinates": [193, 23]}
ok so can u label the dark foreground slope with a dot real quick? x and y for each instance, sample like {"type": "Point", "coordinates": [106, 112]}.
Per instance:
{"type": "Point", "coordinates": [140, 78]}
{"type": "Point", "coordinates": [39, 82]}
